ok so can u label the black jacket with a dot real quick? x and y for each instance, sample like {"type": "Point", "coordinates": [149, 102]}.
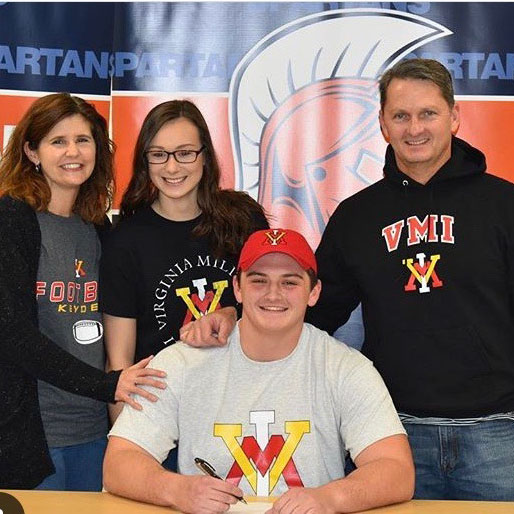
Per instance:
{"type": "Point", "coordinates": [26, 355]}
{"type": "Point", "coordinates": [438, 303]}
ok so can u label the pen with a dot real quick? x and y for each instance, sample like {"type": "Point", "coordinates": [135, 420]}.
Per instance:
{"type": "Point", "coordinates": [206, 468]}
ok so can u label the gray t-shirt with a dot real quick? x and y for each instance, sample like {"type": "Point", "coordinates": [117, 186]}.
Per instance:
{"type": "Point", "coordinates": [265, 426]}
{"type": "Point", "coordinates": [67, 296]}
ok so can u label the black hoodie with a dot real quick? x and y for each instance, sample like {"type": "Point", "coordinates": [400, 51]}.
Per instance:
{"type": "Point", "coordinates": [433, 266]}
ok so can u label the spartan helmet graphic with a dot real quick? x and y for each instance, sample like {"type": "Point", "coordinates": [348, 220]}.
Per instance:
{"type": "Point", "coordinates": [304, 110]}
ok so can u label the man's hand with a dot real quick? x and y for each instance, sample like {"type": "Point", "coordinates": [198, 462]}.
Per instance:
{"type": "Point", "coordinates": [131, 471]}
{"type": "Point", "coordinates": [302, 500]}
{"type": "Point", "coordinates": [384, 475]}
{"type": "Point", "coordinates": [210, 330]}
{"type": "Point", "coordinates": [205, 495]}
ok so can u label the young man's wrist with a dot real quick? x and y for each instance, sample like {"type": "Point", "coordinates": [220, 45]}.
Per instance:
{"type": "Point", "coordinates": [169, 486]}
{"type": "Point", "coordinates": [332, 495]}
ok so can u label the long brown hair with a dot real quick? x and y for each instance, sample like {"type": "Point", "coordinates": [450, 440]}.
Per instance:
{"type": "Point", "coordinates": [18, 176]}
{"type": "Point", "coordinates": [228, 216]}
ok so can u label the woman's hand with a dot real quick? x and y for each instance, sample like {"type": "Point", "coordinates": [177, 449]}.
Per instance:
{"type": "Point", "coordinates": [135, 376]}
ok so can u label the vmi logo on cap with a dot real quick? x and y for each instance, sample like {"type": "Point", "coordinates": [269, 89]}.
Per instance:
{"type": "Point", "coordinates": [275, 237]}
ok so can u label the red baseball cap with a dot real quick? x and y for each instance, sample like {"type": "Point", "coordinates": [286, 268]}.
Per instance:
{"type": "Point", "coordinates": [277, 240]}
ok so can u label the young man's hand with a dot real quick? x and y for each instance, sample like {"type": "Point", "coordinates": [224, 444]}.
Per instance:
{"type": "Point", "coordinates": [210, 330]}
{"type": "Point", "coordinates": [302, 500]}
{"type": "Point", "coordinates": [206, 495]}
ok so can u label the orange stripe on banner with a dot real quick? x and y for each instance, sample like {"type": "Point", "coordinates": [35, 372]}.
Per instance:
{"type": "Point", "coordinates": [129, 112]}
{"type": "Point", "coordinates": [489, 125]}
{"type": "Point", "coordinates": [485, 124]}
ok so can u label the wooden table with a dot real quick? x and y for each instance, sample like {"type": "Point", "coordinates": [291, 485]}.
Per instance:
{"type": "Point", "coordinates": [54, 502]}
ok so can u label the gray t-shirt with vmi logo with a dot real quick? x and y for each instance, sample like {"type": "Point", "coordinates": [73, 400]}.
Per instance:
{"type": "Point", "coordinates": [265, 426]}
{"type": "Point", "coordinates": [67, 297]}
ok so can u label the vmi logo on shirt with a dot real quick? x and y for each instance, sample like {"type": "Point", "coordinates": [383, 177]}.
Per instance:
{"type": "Point", "coordinates": [423, 272]}
{"type": "Point", "coordinates": [263, 459]}
{"type": "Point", "coordinates": [203, 301]}
{"type": "Point", "coordinates": [79, 270]}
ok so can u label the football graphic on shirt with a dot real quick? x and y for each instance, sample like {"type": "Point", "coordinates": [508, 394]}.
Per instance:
{"type": "Point", "coordinates": [87, 331]}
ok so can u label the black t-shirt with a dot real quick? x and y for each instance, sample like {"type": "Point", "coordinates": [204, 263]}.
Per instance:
{"type": "Point", "coordinates": [153, 269]}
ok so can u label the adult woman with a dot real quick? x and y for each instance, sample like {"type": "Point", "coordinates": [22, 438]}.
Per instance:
{"type": "Point", "coordinates": [54, 184]}
{"type": "Point", "coordinates": [171, 258]}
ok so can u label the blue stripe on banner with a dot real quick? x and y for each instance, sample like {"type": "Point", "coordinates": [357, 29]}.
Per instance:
{"type": "Point", "coordinates": [195, 46]}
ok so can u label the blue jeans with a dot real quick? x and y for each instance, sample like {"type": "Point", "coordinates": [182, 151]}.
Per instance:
{"type": "Point", "coordinates": [464, 462]}
{"type": "Point", "coordinates": [77, 467]}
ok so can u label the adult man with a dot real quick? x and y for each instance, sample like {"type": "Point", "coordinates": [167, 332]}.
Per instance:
{"type": "Point", "coordinates": [429, 251]}
{"type": "Point", "coordinates": [273, 411]}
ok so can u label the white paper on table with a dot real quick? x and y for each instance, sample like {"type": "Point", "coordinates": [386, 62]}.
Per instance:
{"type": "Point", "coordinates": [260, 507]}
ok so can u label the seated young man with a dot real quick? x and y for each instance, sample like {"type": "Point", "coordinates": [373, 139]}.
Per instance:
{"type": "Point", "coordinates": [274, 411]}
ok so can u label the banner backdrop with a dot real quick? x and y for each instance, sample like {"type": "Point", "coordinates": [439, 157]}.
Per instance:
{"type": "Point", "coordinates": [288, 89]}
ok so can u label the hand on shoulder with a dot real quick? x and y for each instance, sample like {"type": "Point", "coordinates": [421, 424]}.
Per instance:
{"type": "Point", "coordinates": [210, 330]}
{"type": "Point", "coordinates": [132, 378]}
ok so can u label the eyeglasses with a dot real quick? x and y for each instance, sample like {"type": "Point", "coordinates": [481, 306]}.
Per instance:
{"type": "Point", "coordinates": [181, 156]}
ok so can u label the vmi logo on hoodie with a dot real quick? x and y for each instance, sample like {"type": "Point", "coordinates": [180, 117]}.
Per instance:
{"type": "Point", "coordinates": [433, 229]}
